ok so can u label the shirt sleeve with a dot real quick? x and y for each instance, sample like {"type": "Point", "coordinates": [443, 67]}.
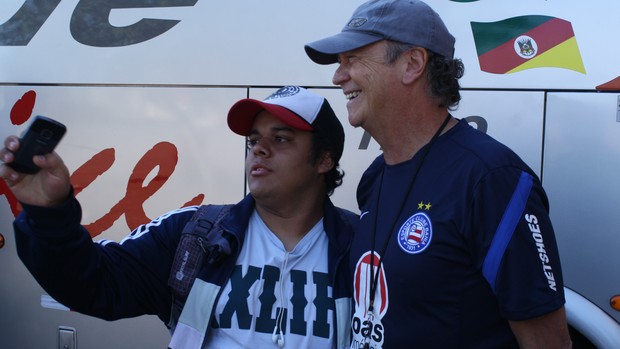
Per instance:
{"type": "Point", "coordinates": [110, 280]}
{"type": "Point", "coordinates": [518, 249]}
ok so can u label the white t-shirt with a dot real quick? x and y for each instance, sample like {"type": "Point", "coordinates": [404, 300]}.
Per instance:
{"type": "Point", "coordinates": [270, 286]}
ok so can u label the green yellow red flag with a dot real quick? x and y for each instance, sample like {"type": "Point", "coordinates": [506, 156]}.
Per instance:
{"type": "Point", "coordinates": [526, 42]}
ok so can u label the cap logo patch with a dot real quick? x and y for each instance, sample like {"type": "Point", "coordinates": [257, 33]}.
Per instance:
{"type": "Point", "coordinates": [357, 22]}
{"type": "Point", "coordinates": [283, 92]}
{"type": "Point", "coordinates": [415, 234]}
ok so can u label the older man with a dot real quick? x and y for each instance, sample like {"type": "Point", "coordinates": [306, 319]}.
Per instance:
{"type": "Point", "coordinates": [455, 248]}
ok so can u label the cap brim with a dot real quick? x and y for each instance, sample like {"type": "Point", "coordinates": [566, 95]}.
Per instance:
{"type": "Point", "coordinates": [325, 51]}
{"type": "Point", "coordinates": [242, 114]}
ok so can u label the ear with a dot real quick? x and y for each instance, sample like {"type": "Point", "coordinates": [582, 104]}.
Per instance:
{"type": "Point", "coordinates": [416, 59]}
{"type": "Point", "coordinates": [325, 163]}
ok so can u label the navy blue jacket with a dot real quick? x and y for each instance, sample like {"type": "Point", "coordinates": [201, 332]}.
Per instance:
{"type": "Point", "coordinates": [112, 280]}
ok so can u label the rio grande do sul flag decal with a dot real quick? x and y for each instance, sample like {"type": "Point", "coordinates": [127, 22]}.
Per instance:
{"type": "Point", "coordinates": [526, 42]}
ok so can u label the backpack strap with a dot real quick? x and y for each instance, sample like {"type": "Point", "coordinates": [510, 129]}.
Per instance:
{"type": "Point", "coordinates": [202, 241]}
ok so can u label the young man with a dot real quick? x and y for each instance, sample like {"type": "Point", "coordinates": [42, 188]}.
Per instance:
{"type": "Point", "coordinates": [285, 282]}
{"type": "Point", "coordinates": [454, 248]}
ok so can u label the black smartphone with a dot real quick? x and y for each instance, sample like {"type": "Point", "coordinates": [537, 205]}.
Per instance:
{"type": "Point", "coordinates": [40, 138]}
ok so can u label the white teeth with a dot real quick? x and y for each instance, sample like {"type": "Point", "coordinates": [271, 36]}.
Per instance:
{"type": "Point", "coordinates": [352, 95]}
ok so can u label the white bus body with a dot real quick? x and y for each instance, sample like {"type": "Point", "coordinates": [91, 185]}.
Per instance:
{"type": "Point", "coordinates": [144, 90]}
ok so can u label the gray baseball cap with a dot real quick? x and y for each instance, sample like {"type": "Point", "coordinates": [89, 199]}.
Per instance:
{"type": "Point", "coordinates": [407, 21]}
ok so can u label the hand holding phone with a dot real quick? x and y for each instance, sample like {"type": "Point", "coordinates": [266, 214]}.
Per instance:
{"type": "Point", "coordinates": [41, 138]}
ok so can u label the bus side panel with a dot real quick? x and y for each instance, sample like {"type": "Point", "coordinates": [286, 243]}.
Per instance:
{"type": "Point", "coordinates": [582, 152]}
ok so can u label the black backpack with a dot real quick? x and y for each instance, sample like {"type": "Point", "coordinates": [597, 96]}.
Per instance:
{"type": "Point", "coordinates": [202, 241]}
